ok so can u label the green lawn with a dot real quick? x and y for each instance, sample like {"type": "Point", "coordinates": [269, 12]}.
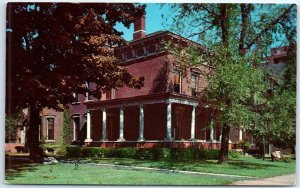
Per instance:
{"type": "Point", "coordinates": [26, 173]}
{"type": "Point", "coordinates": [246, 166]}
{"type": "Point", "coordinates": [89, 174]}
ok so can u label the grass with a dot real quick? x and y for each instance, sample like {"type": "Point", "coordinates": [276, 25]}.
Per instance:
{"type": "Point", "coordinates": [88, 174]}
{"type": "Point", "coordinates": [246, 166]}
{"type": "Point", "coordinates": [21, 172]}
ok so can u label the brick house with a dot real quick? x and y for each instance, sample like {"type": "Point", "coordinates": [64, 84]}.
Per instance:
{"type": "Point", "coordinates": [166, 112]}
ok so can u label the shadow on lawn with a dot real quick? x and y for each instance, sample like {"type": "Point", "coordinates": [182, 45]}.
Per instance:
{"type": "Point", "coordinates": [14, 166]}
{"type": "Point", "coordinates": [250, 165]}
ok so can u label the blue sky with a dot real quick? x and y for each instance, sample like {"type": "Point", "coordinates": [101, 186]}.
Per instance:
{"type": "Point", "coordinates": [154, 21]}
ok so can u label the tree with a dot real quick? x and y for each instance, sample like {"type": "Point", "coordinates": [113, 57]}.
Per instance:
{"type": "Point", "coordinates": [279, 115]}
{"type": "Point", "coordinates": [235, 34]}
{"type": "Point", "coordinates": [53, 49]}
{"type": "Point", "coordinates": [66, 129]}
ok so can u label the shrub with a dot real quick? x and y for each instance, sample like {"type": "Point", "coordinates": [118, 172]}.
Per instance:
{"type": "Point", "coordinates": [160, 153]}
{"type": "Point", "coordinates": [172, 154]}
{"type": "Point", "coordinates": [73, 151]}
{"type": "Point", "coordinates": [178, 154]}
{"type": "Point", "coordinates": [203, 154]}
{"type": "Point", "coordinates": [287, 159]}
{"type": "Point", "coordinates": [143, 153]}
{"type": "Point", "coordinates": [234, 154]}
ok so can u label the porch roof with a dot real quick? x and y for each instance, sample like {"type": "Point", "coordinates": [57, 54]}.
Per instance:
{"type": "Point", "coordinates": [142, 100]}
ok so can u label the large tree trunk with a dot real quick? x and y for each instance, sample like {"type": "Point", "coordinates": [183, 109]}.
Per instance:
{"type": "Point", "coordinates": [223, 156]}
{"type": "Point", "coordinates": [33, 143]}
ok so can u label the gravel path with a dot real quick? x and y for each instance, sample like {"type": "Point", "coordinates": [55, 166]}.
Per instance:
{"type": "Point", "coordinates": [278, 180]}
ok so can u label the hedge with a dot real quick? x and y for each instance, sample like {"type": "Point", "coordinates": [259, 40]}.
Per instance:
{"type": "Point", "coordinates": [174, 154]}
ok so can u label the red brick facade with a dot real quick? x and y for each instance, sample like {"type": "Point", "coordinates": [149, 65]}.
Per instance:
{"type": "Point", "coordinates": [166, 112]}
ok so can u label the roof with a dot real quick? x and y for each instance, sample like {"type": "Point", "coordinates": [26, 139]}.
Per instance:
{"type": "Point", "coordinates": [159, 34]}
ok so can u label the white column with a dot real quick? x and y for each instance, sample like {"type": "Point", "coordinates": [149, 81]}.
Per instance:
{"type": "Point", "coordinates": [104, 125]}
{"type": "Point", "coordinates": [74, 130]}
{"type": "Point", "coordinates": [141, 130]}
{"type": "Point", "coordinates": [193, 122]}
{"type": "Point", "coordinates": [240, 135]}
{"type": "Point", "coordinates": [169, 122]}
{"type": "Point", "coordinates": [88, 127]}
{"type": "Point", "coordinates": [121, 133]}
{"type": "Point", "coordinates": [212, 127]}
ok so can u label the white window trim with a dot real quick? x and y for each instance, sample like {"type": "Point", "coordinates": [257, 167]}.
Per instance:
{"type": "Point", "coordinates": [197, 78]}
{"type": "Point", "coordinates": [47, 132]}
{"type": "Point", "coordinates": [113, 93]}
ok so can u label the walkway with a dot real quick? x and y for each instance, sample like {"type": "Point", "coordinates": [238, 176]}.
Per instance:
{"type": "Point", "coordinates": [277, 180]}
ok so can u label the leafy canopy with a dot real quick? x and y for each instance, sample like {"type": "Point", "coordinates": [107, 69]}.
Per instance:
{"type": "Point", "coordinates": [53, 49]}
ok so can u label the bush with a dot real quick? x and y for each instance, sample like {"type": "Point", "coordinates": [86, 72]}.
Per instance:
{"type": "Point", "coordinates": [73, 151]}
{"type": "Point", "coordinates": [287, 159]}
{"type": "Point", "coordinates": [234, 154]}
{"type": "Point", "coordinates": [201, 154]}
{"type": "Point", "coordinates": [172, 154]}
{"type": "Point", "coordinates": [178, 154]}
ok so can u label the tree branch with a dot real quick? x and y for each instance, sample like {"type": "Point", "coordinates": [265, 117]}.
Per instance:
{"type": "Point", "coordinates": [267, 28]}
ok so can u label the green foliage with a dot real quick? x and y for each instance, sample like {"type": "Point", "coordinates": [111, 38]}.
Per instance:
{"type": "Point", "coordinates": [66, 129]}
{"type": "Point", "coordinates": [234, 154]}
{"type": "Point", "coordinates": [11, 123]}
{"type": "Point", "coordinates": [279, 115]}
{"type": "Point", "coordinates": [238, 89]}
{"type": "Point", "coordinates": [157, 154]}
{"type": "Point", "coordinates": [287, 159]}
{"type": "Point", "coordinates": [244, 143]}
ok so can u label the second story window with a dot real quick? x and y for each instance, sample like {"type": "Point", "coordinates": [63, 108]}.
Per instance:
{"type": "Point", "coordinates": [76, 98]}
{"type": "Point", "coordinates": [90, 88]}
{"type": "Point", "coordinates": [110, 94]}
{"type": "Point", "coordinates": [177, 81]}
{"type": "Point", "coordinates": [195, 84]}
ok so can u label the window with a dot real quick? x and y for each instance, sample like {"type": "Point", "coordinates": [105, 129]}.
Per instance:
{"type": "Point", "coordinates": [76, 127]}
{"type": "Point", "coordinates": [151, 49]}
{"type": "Point", "coordinates": [50, 125]}
{"type": "Point", "coordinates": [195, 84]}
{"type": "Point", "coordinates": [177, 82]}
{"type": "Point", "coordinates": [110, 93]}
{"type": "Point", "coordinates": [90, 88]}
{"type": "Point", "coordinates": [140, 52]}
{"type": "Point", "coordinates": [129, 55]}
{"type": "Point", "coordinates": [76, 98]}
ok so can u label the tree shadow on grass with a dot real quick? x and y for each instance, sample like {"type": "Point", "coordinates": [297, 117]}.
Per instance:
{"type": "Point", "coordinates": [15, 166]}
{"type": "Point", "coordinates": [250, 165]}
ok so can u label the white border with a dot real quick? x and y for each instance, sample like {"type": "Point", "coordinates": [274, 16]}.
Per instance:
{"type": "Point", "coordinates": [2, 62]}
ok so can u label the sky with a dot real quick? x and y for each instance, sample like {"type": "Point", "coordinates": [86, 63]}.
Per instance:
{"type": "Point", "coordinates": [154, 21]}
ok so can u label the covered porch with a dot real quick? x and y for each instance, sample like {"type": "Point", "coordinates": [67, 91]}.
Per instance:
{"type": "Point", "coordinates": [158, 120]}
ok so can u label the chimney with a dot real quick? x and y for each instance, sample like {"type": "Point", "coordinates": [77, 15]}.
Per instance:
{"type": "Point", "coordinates": [139, 28]}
